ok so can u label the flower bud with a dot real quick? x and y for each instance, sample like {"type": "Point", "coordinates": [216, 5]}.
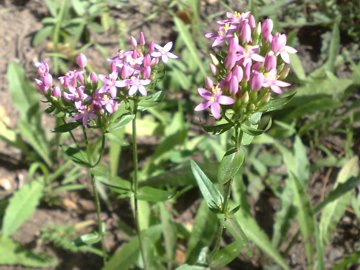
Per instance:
{"type": "Point", "coordinates": [251, 107]}
{"type": "Point", "coordinates": [213, 69]}
{"type": "Point", "coordinates": [266, 28]}
{"type": "Point", "coordinates": [245, 98]}
{"type": "Point", "coordinates": [245, 33]}
{"type": "Point", "coordinates": [278, 42]}
{"type": "Point", "coordinates": [234, 85]}
{"type": "Point", "coordinates": [285, 72]}
{"type": "Point", "coordinates": [93, 77]}
{"type": "Point", "coordinates": [233, 44]}
{"type": "Point", "coordinates": [47, 80]}
{"type": "Point", "coordinates": [256, 81]}
{"type": "Point", "coordinates": [270, 61]}
{"type": "Point", "coordinates": [247, 71]}
{"type": "Point", "coordinates": [230, 60]}
{"type": "Point", "coordinates": [56, 92]}
{"type": "Point", "coordinates": [146, 72]}
{"type": "Point", "coordinates": [142, 39]}
{"type": "Point", "coordinates": [208, 82]}
{"type": "Point", "coordinates": [81, 60]}
{"type": "Point", "coordinates": [147, 60]}
{"type": "Point", "coordinates": [252, 21]}
{"type": "Point", "coordinates": [133, 41]}
{"type": "Point", "coordinates": [214, 60]}
{"type": "Point", "coordinates": [238, 73]}
{"type": "Point", "coordinates": [151, 47]}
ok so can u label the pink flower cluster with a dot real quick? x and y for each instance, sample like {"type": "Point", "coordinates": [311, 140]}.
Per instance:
{"type": "Point", "coordinates": [249, 59]}
{"type": "Point", "coordinates": [88, 96]}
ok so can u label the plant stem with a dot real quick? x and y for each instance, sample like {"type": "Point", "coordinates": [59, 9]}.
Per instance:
{"type": "Point", "coordinates": [227, 186]}
{"type": "Point", "coordinates": [222, 221]}
{"type": "Point", "coordinates": [101, 228]}
{"type": "Point", "coordinates": [98, 217]}
{"type": "Point", "coordinates": [136, 184]}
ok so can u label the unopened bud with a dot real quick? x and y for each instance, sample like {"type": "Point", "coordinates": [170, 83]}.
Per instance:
{"type": "Point", "coordinates": [93, 77]}
{"type": "Point", "coordinates": [56, 92]}
{"type": "Point", "coordinates": [285, 72]}
{"type": "Point", "coordinates": [213, 69]}
{"type": "Point", "coordinates": [208, 82]}
{"type": "Point", "coordinates": [133, 41]}
{"type": "Point", "coordinates": [214, 60]}
{"type": "Point", "coordinates": [81, 60]}
{"type": "Point", "coordinates": [142, 39]}
{"type": "Point", "coordinates": [245, 98]}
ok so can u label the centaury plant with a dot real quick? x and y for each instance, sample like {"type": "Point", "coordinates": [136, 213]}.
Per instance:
{"type": "Point", "coordinates": [249, 64]}
{"type": "Point", "coordinates": [106, 103]}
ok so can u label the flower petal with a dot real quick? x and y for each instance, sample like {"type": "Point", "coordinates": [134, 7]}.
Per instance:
{"type": "Point", "coordinates": [204, 93]}
{"type": "Point", "coordinates": [142, 90]}
{"type": "Point", "coordinates": [285, 57]}
{"type": "Point", "coordinates": [168, 46]}
{"type": "Point", "coordinates": [156, 54]}
{"type": "Point", "coordinates": [224, 100]}
{"type": "Point", "coordinates": [202, 106]}
{"type": "Point", "coordinates": [290, 49]}
{"type": "Point", "coordinates": [132, 90]}
{"type": "Point", "coordinates": [215, 110]}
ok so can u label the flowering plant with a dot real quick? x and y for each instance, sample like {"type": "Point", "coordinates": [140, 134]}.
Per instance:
{"type": "Point", "coordinates": [248, 65]}
{"type": "Point", "coordinates": [106, 102]}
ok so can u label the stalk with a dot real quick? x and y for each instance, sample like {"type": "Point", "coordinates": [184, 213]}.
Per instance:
{"type": "Point", "coordinates": [95, 193]}
{"type": "Point", "coordinates": [136, 184]}
{"type": "Point", "coordinates": [227, 187]}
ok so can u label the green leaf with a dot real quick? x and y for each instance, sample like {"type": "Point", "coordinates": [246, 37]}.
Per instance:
{"type": "Point", "coordinates": [103, 175]}
{"type": "Point", "coordinates": [120, 123]}
{"type": "Point", "coordinates": [78, 156]}
{"type": "Point", "coordinates": [151, 194]}
{"type": "Point", "coordinates": [190, 267]}
{"type": "Point", "coordinates": [21, 207]}
{"type": "Point", "coordinates": [278, 103]}
{"type": "Point", "coordinates": [210, 192]}
{"type": "Point", "coordinates": [79, 7]}
{"type": "Point", "coordinates": [88, 239]}
{"type": "Point", "coordinates": [66, 127]}
{"type": "Point", "coordinates": [170, 234]}
{"type": "Point", "coordinates": [27, 131]}
{"type": "Point", "coordinates": [23, 94]}
{"type": "Point", "coordinates": [12, 253]}
{"type": "Point", "coordinates": [332, 212]}
{"type": "Point", "coordinates": [257, 131]}
{"type": "Point", "coordinates": [128, 254]}
{"type": "Point", "coordinates": [219, 129]}
{"type": "Point", "coordinates": [52, 7]}
{"type": "Point", "coordinates": [340, 190]}
{"type": "Point", "coordinates": [305, 217]}
{"type": "Point", "coordinates": [184, 33]}
{"type": "Point", "coordinates": [348, 261]}
{"type": "Point", "coordinates": [150, 100]}
{"type": "Point", "coordinates": [42, 34]}
{"type": "Point", "coordinates": [226, 255]}
{"type": "Point", "coordinates": [334, 48]}
{"type": "Point", "coordinates": [230, 165]}
{"type": "Point", "coordinates": [259, 237]}
{"type": "Point", "coordinates": [203, 231]}
{"type": "Point", "coordinates": [297, 67]}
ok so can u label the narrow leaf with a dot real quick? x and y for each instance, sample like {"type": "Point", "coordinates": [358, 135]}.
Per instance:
{"type": "Point", "coordinates": [226, 255]}
{"type": "Point", "coordinates": [210, 192]}
{"type": "Point", "coordinates": [230, 165]}
{"type": "Point", "coordinates": [21, 207]}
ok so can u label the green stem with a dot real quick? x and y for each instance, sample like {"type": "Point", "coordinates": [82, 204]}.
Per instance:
{"type": "Point", "coordinates": [227, 186]}
{"type": "Point", "coordinates": [100, 226]}
{"type": "Point", "coordinates": [136, 184]}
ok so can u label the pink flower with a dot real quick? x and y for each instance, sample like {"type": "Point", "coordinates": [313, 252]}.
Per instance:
{"type": "Point", "coordinates": [81, 60]}
{"type": "Point", "coordinates": [43, 68]}
{"type": "Point", "coordinates": [270, 61]}
{"type": "Point", "coordinates": [256, 81]}
{"type": "Point", "coordinates": [271, 81]}
{"type": "Point", "coordinates": [136, 84]}
{"type": "Point", "coordinates": [213, 99]}
{"type": "Point", "coordinates": [278, 46]}
{"type": "Point", "coordinates": [266, 29]}
{"type": "Point", "coordinates": [84, 114]}
{"type": "Point", "coordinates": [225, 33]}
{"type": "Point", "coordinates": [110, 83]}
{"type": "Point", "coordinates": [164, 52]}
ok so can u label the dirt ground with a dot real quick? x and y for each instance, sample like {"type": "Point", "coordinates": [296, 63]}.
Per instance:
{"type": "Point", "coordinates": [19, 20]}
